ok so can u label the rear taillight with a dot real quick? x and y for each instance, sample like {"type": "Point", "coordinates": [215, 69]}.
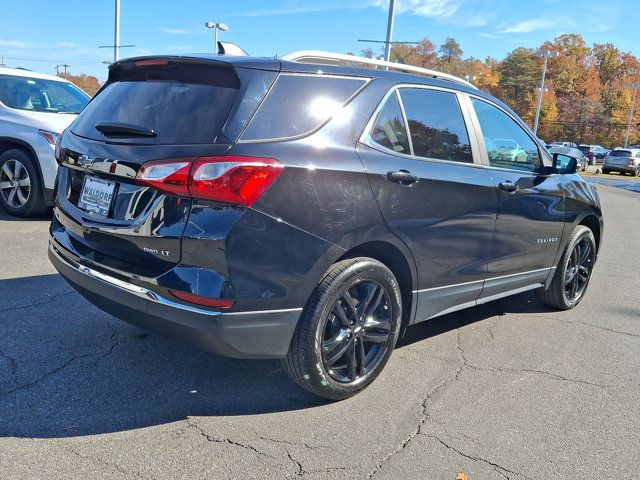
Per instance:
{"type": "Point", "coordinates": [167, 176]}
{"type": "Point", "coordinates": [230, 179]}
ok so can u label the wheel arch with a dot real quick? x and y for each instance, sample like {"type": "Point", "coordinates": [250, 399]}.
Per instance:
{"type": "Point", "coordinates": [8, 143]}
{"type": "Point", "coordinates": [401, 265]}
{"type": "Point", "coordinates": [593, 223]}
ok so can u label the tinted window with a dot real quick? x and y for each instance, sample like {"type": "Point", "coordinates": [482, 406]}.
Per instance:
{"type": "Point", "coordinates": [506, 142]}
{"type": "Point", "coordinates": [179, 110]}
{"type": "Point", "coordinates": [436, 125]}
{"type": "Point", "coordinates": [389, 129]}
{"type": "Point", "coordinates": [41, 95]}
{"type": "Point", "coordinates": [297, 104]}
{"type": "Point", "coordinates": [621, 153]}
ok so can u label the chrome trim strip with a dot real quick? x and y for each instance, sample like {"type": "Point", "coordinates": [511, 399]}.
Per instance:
{"type": "Point", "coordinates": [262, 312]}
{"type": "Point", "coordinates": [485, 280]}
{"type": "Point", "coordinates": [150, 295]}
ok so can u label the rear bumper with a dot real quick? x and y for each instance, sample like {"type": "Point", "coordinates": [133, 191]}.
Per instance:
{"type": "Point", "coordinates": [254, 334]}
{"type": "Point", "coordinates": [619, 168]}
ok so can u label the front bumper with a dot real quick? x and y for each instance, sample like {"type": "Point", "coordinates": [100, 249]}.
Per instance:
{"type": "Point", "coordinates": [254, 334]}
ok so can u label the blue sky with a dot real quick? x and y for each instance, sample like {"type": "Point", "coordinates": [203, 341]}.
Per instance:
{"type": "Point", "coordinates": [70, 31]}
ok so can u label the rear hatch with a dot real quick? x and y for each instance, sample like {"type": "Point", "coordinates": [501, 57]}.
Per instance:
{"type": "Point", "coordinates": [153, 109]}
{"type": "Point", "coordinates": [620, 157]}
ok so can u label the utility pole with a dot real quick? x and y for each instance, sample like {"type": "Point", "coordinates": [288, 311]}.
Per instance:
{"type": "Point", "coordinates": [387, 47]}
{"type": "Point", "coordinates": [116, 36]}
{"type": "Point", "coordinates": [634, 87]}
{"type": "Point", "coordinates": [546, 54]}
{"type": "Point", "coordinates": [2, 64]}
{"type": "Point", "coordinates": [65, 65]}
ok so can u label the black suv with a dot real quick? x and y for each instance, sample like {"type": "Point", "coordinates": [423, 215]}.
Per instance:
{"type": "Point", "coordinates": [263, 208]}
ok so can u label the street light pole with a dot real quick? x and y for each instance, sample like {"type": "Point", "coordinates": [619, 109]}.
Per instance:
{"type": "Point", "coordinates": [387, 47]}
{"type": "Point", "coordinates": [216, 27]}
{"type": "Point", "coordinates": [116, 34]}
{"type": "Point", "coordinates": [546, 54]}
{"type": "Point", "coordinates": [634, 87]}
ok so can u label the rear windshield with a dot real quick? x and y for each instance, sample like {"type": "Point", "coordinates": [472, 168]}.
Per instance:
{"type": "Point", "coordinates": [181, 104]}
{"type": "Point", "coordinates": [298, 104]}
{"type": "Point", "coordinates": [584, 148]}
{"type": "Point", "coordinates": [621, 153]}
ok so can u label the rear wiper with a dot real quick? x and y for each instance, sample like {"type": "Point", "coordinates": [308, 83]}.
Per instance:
{"type": "Point", "coordinates": [123, 129]}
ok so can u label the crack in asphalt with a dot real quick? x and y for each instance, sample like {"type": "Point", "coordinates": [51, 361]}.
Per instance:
{"type": "Point", "coordinates": [503, 471]}
{"type": "Point", "coordinates": [102, 461]}
{"type": "Point", "coordinates": [51, 299]}
{"type": "Point", "coordinates": [13, 363]}
{"type": "Point", "coordinates": [46, 375]}
{"type": "Point", "coordinates": [211, 438]}
{"type": "Point", "coordinates": [424, 416]}
{"type": "Point", "coordinates": [599, 327]}
{"type": "Point", "coordinates": [555, 376]}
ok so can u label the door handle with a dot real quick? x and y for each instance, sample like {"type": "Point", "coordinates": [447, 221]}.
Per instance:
{"type": "Point", "coordinates": [403, 177]}
{"type": "Point", "coordinates": [508, 186]}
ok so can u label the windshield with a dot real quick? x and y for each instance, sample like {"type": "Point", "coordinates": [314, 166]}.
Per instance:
{"type": "Point", "coordinates": [39, 95]}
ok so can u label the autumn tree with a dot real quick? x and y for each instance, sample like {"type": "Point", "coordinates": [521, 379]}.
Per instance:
{"type": "Point", "coordinates": [88, 83]}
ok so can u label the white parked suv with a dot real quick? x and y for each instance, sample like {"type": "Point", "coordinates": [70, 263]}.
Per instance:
{"type": "Point", "coordinates": [34, 110]}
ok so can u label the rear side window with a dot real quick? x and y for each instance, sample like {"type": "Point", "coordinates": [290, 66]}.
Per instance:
{"type": "Point", "coordinates": [436, 125]}
{"type": "Point", "coordinates": [298, 104]}
{"type": "Point", "coordinates": [181, 104]}
{"type": "Point", "coordinates": [389, 129]}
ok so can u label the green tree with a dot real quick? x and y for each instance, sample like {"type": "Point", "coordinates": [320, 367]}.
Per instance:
{"type": "Point", "coordinates": [519, 76]}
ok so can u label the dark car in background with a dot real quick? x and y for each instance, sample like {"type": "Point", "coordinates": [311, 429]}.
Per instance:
{"type": "Point", "coordinates": [595, 153]}
{"type": "Point", "coordinates": [305, 210]}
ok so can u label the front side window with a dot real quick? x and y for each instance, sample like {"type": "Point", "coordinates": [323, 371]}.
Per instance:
{"type": "Point", "coordinates": [436, 125]}
{"type": "Point", "coordinates": [389, 129]}
{"type": "Point", "coordinates": [507, 144]}
{"type": "Point", "coordinates": [40, 95]}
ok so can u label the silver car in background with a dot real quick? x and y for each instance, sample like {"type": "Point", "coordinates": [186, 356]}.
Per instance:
{"type": "Point", "coordinates": [34, 110]}
{"type": "Point", "coordinates": [623, 160]}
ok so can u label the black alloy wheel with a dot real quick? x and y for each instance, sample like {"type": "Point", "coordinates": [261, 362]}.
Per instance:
{"type": "Point", "coordinates": [356, 331]}
{"type": "Point", "coordinates": [578, 269]}
{"type": "Point", "coordinates": [572, 275]}
{"type": "Point", "coordinates": [347, 330]}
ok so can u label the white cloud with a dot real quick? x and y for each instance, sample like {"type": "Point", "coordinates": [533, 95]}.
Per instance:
{"type": "Point", "coordinates": [528, 26]}
{"type": "Point", "coordinates": [425, 8]}
{"type": "Point", "coordinates": [15, 43]}
{"type": "Point", "coordinates": [173, 31]}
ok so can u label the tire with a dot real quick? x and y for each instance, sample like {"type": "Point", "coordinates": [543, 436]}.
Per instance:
{"type": "Point", "coordinates": [366, 339]}
{"type": "Point", "coordinates": [605, 172]}
{"type": "Point", "coordinates": [569, 284]}
{"type": "Point", "coordinates": [21, 192]}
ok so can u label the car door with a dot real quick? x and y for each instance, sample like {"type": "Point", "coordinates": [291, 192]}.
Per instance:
{"type": "Point", "coordinates": [531, 214]}
{"type": "Point", "coordinates": [432, 195]}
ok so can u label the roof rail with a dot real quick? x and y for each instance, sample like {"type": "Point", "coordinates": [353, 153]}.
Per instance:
{"type": "Point", "coordinates": [330, 58]}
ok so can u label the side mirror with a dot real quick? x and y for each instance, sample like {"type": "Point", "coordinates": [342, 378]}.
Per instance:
{"type": "Point", "coordinates": [564, 164]}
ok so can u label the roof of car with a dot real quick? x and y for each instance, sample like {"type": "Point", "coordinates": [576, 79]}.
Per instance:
{"type": "Point", "coordinates": [19, 72]}
{"type": "Point", "coordinates": [276, 64]}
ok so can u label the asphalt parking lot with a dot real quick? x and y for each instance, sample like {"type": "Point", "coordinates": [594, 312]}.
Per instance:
{"type": "Point", "coordinates": [507, 390]}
